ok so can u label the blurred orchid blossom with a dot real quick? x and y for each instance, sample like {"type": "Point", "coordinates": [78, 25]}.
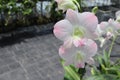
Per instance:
{"type": "Point", "coordinates": [79, 55]}
{"type": "Point", "coordinates": [76, 26]}
{"type": "Point", "coordinates": [110, 29]}
{"type": "Point", "coordinates": [66, 4]}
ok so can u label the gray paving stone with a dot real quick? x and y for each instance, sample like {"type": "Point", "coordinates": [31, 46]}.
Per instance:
{"type": "Point", "coordinates": [54, 59]}
{"type": "Point", "coordinates": [7, 61]}
{"type": "Point", "coordinates": [32, 68]}
{"type": "Point", "coordinates": [18, 74]}
{"type": "Point", "coordinates": [3, 51]}
{"type": "Point", "coordinates": [20, 52]}
{"type": "Point", "coordinates": [32, 53]}
{"type": "Point", "coordinates": [4, 77]}
{"type": "Point", "coordinates": [14, 66]}
{"type": "Point", "coordinates": [57, 77]}
{"type": "Point", "coordinates": [4, 69]}
{"type": "Point", "coordinates": [6, 56]}
{"type": "Point", "coordinates": [44, 63]}
{"type": "Point", "coordinates": [48, 54]}
{"type": "Point", "coordinates": [20, 58]}
{"type": "Point", "coordinates": [39, 57]}
{"type": "Point", "coordinates": [47, 71]}
{"type": "Point", "coordinates": [2, 63]}
{"type": "Point", "coordinates": [27, 62]}
{"type": "Point", "coordinates": [34, 76]}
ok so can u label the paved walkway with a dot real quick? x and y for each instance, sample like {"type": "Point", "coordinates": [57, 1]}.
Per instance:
{"type": "Point", "coordinates": [32, 58]}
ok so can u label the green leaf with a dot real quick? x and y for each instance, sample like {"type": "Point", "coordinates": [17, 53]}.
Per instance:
{"type": "Point", "coordinates": [69, 71]}
{"type": "Point", "coordinates": [98, 77]}
{"type": "Point", "coordinates": [27, 11]}
{"type": "Point", "coordinates": [106, 58]}
{"type": "Point", "coordinates": [94, 71]}
{"type": "Point", "coordinates": [103, 77]}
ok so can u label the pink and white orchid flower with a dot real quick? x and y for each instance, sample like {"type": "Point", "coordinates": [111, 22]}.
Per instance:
{"type": "Point", "coordinates": [76, 26]}
{"type": "Point", "coordinates": [79, 55]}
{"type": "Point", "coordinates": [110, 29]}
{"type": "Point", "coordinates": [66, 4]}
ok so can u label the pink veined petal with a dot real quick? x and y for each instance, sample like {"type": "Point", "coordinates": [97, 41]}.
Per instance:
{"type": "Point", "coordinates": [117, 25]}
{"type": "Point", "coordinates": [104, 25]}
{"type": "Point", "coordinates": [63, 30]}
{"type": "Point", "coordinates": [91, 35]}
{"type": "Point", "coordinates": [98, 31]}
{"type": "Point", "coordinates": [67, 53]}
{"type": "Point", "coordinates": [65, 56]}
{"type": "Point", "coordinates": [68, 43]}
{"type": "Point", "coordinates": [88, 20]}
{"type": "Point", "coordinates": [90, 49]}
{"type": "Point", "coordinates": [114, 24]}
{"type": "Point", "coordinates": [72, 16]}
{"type": "Point", "coordinates": [61, 50]}
{"type": "Point", "coordinates": [78, 42]}
{"type": "Point", "coordinates": [69, 62]}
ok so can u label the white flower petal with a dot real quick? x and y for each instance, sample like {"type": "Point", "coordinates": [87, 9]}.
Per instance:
{"type": "Point", "coordinates": [90, 49]}
{"type": "Point", "coordinates": [88, 20]}
{"type": "Point", "coordinates": [72, 16]}
{"type": "Point", "coordinates": [63, 30]}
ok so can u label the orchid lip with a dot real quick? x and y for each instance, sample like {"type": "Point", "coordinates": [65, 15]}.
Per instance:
{"type": "Point", "coordinates": [79, 57]}
{"type": "Point", "coordinates": [78, 32]}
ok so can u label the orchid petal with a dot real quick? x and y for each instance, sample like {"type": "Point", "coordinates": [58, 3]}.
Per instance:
{"type": "Point", "coordinates": [88, 20]}
{"type": "Point", "coordinates": [72, 16]}
{"type": "Point", "coordinates": [63, 29]}
{"type": "Point", "coordinates": [90, 48]}
{"type": "Point", "coordinates": [103, 25]}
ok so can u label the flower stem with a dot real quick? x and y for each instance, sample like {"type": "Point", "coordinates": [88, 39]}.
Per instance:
{"type": "Point", "coordinates": [111, 46]}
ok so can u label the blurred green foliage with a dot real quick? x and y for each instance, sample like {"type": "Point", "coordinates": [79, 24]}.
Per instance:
{"type": "Point", "coordinates": [23, 12]}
